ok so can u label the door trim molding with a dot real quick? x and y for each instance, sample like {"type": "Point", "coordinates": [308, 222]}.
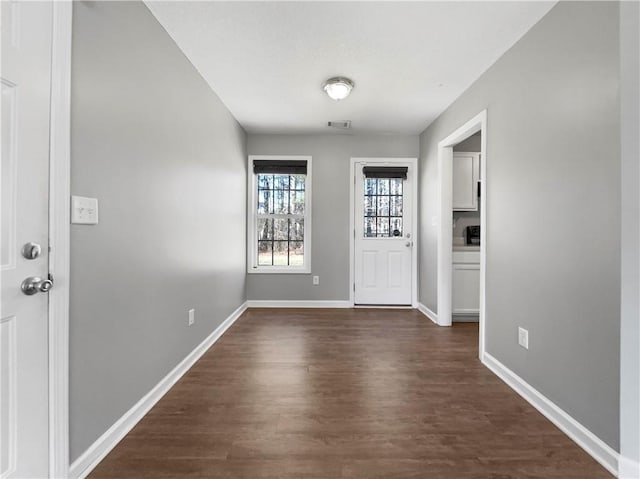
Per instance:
{"type": "Point", "coordinates": [628, 468]}
{"type": "Point", "coordinates": [59, 238]}
{"type": "Point", "coordinates": [414, 220]}
{"type": "Point", "coordinates": [445, 224]}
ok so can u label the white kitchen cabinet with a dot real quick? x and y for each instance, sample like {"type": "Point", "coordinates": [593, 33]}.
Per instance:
{"type": "Point", "coordinates": [466, 174]}
{"type": "Point", "coordinates": [466, 282]}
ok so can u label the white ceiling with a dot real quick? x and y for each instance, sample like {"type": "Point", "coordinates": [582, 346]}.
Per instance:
{"type": "Point", "coordinates": [409, 60]}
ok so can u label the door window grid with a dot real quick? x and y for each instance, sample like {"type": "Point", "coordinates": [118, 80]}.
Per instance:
{"type": "Point", "coordinates": [382, 207]}
{"type": "Point", "coordinates": [280, 219]}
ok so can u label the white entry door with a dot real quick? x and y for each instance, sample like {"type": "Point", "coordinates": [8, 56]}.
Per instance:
{"type": "Point", "coordinates": [383, 233]}
{"type": "Point", "coordinates": [24, 207]}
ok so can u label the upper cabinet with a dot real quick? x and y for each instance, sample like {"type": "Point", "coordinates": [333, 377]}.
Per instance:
{"type": "Point", "coordinates": [466, 174]}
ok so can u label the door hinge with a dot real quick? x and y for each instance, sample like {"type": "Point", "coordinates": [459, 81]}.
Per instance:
{"type": "Point", "coordinates": [354, 287]}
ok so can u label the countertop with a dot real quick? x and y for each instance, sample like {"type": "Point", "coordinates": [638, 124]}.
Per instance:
{"type": "Point", "coordinates": [466, 248]}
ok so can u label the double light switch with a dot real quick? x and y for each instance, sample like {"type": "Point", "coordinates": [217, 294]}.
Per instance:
{"type": "Point", "coordinates": [84, 211]}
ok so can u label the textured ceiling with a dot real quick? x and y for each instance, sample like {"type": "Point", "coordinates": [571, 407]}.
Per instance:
{"type": "Point", "coordinates": [409, 60]}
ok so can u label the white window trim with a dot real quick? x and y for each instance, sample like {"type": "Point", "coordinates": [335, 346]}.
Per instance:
{"type": "Point", "coordinates": [252, 238]}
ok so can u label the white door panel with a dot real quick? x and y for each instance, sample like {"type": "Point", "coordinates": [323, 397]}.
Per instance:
{"type": "Point", "coordinates": [369, 260]}
{"type": "Point", "coordinates": [397, 270]}
{"type": "Point", "coordinates": [25, 78]}
{"type": "Point", "coordinates": [383, 262]}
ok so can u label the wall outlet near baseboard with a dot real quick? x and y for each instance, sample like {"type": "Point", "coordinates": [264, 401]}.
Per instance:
{"type": "Point", "coordinates": [192, 317]}
{"type": "Point", "coordinates": [523, 338]}
{"type": "Point", "coordinates": [316, 280]}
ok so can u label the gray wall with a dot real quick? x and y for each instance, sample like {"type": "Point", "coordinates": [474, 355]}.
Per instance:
{"type": "Point", "coordinates": [330, 209]}
{"type": "Point", "coordinates": [553, 211]}
{"type": "Point", "coordinates": [630, 313]}
{"type": "Point", "coordinates": [167, 162]}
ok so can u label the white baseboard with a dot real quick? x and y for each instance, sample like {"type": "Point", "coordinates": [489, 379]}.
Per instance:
{"type": "Point", "coordinates": [428, 313]}
{"type": "Point", "coordinates": [82, 466]}
{"type": "Point", "coordinates": [299, 304]}
{"type": "Point", "coordinates": [588, 441]}
{"type": "Point", "coordinates": [465, 318]}
{"type": "Point", "coordinates": [628, 468]}
{"type": "Point", "coordinates": [465, 312]}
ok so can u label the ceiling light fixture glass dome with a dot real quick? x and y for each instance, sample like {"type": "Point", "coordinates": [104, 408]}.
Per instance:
{"type": "Point", "coordinates": [338, 88]}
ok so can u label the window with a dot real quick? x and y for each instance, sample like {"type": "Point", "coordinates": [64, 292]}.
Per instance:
{"type": "Point", "coordinates": [383, 201]}
{"type": "Point", "coordinates": [279, 212]}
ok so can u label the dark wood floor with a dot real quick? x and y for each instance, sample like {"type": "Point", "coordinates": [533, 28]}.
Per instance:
{"type": "Point", "coordinates": [364, 393]}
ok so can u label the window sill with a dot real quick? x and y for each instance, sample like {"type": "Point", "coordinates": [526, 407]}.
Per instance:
{"type": "Point", "coordinates": [278, 270]}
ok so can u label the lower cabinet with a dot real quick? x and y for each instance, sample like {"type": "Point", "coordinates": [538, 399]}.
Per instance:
{"type": "Point", "coordinates": [466, 288]}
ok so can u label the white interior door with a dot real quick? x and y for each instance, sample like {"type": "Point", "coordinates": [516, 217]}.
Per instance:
{"type": "Point", "coordinates": [383, 247]}
{"type": "Point", "coordinates": [24, 204]}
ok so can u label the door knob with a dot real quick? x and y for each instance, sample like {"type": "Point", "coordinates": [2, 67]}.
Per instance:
{"type": "Point", "coordinates": [31, 250]}
{"type": "Point", "coordinates": [34, 284]}
{"type": "Point", "coordinates": [408, 244]}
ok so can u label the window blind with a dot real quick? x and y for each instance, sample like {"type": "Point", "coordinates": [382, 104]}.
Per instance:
{"type": "Point", "coordinates": [385, 172]}
{"type": "Point", "coordinates": [284, 167]}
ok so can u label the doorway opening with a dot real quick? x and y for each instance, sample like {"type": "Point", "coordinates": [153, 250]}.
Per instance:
{"type": "Point", "coordinates": [383, 232]}
{"type": "Point", "coordinates": [468, 197]}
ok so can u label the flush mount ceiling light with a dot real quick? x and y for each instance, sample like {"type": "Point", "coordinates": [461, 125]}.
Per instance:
{"type": "Point", "coordinates": [338, 88]}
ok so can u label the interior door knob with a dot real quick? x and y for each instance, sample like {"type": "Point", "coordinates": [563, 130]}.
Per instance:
{"type": "Point", "coordinates": [35, 284]}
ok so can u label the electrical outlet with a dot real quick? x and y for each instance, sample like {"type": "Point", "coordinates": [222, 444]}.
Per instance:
{"type": "Point", "coordinates": [523, 338]}
{"type": "Point", "coordinates": [192, 317]}
{"type": "Point", "coordinates": [316, 280]}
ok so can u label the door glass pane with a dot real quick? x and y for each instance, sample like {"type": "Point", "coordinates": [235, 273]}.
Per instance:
{"type": "Point", "coordinates": [395, 186]}
{"type": "Point", "coordinates": [395, 206]}
{"type": "Point", "coordinates": [383, 186]}
{"type": "Point", "coordinates": [396, 227]}
{"type": "Point", "coordinates": [382, 207]}
{"type": "Point", "coordinates": [370, 205]}
{"type": "Point", "coordinates": [382, 226]}
{"type": "Point", "coordinates": [370, 227]}
{"type": "Point", "coordinates": [370, 186]}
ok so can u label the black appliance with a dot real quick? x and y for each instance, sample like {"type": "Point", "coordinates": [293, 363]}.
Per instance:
{"type": "Point", "coordinates": [473, 235]}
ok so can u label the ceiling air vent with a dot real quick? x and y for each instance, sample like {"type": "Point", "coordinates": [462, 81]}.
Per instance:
{"type": "Point", "coordinates": [342, 125]}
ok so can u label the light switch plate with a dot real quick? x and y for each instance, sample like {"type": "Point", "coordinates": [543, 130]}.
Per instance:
{"type": "Point", "coordinates": [84, 211]}
{"type": "Point", "coordinates": [523, 338]}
